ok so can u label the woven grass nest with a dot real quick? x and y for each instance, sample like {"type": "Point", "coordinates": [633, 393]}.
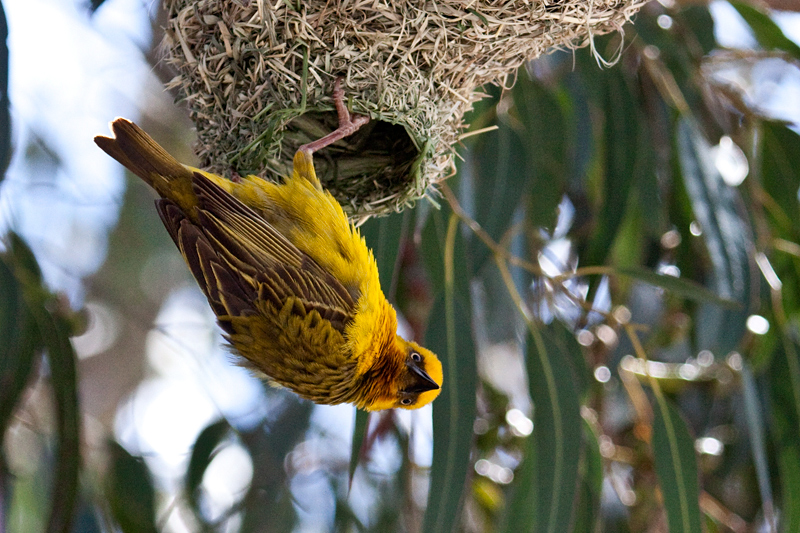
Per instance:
{"type": "Point", "coordinates": [258, 78]}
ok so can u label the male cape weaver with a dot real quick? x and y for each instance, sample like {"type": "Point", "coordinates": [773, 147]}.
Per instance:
{"type": "Point", "coordinates": [292, 282]}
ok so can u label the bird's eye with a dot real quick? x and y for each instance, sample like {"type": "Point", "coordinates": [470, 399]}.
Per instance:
{"type": "Point", "coordinates": [416, 357]}
{"type": "Point", "coordinates": [406, 401]}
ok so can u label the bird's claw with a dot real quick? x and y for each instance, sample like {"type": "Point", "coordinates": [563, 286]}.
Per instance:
{"type": "Point", "coordinates": [348, 124]}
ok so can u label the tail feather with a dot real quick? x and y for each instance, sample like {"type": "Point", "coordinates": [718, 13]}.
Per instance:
{"type": "Point", "coordinates": [140, 154]}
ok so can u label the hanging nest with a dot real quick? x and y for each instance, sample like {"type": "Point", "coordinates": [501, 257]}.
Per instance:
{"type": "Point", "coordinates": [258, 80]}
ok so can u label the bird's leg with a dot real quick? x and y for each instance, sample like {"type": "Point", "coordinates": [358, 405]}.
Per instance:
{"type": "Point", "coordinates": [348, 124]}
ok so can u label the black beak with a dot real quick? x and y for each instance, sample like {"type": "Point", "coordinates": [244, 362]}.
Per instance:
{"type": "Point", "coordinates": [420, 380]}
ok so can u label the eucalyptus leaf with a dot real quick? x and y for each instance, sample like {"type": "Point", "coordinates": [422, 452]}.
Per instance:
{"type": "Point", "coordinates": [130, 492]}
{"type": "Point", "coordinates": [756, 433]}
{"type": "Point", "coordinates": [588, 511]}
{"type": "Point", "coordinates": [767, 33]}
{"type": "Point", "coordinates": [676, 468]}
{"type": "Point", "coordinates": [63, 361]}
{"type": "Point", "coordinates": [621, 133]}
{"type": "Point", "coordinates": [679, 286]}
{"type": "Point", "coordinates": [359, 435]}
{"type": "Point", "coordinates": [449, 335]}
{"type": "Point", "coordinates": [21, 342]}
{"type": "Point", "coordinates": [728, 239]}
{"type": "Point", "coordinates": [453, 416]}
{"type": "Point", "coordinates": [203, 452]}
{"type": "Point", "coordinates": [780, 172]}
{"type": "Point", "coordinates": [784, 394]}
{"type": "Point", "coordinates": [546, 148]}
{"type": "Point", "coordinates": [385, 236]}
{"type": "Point", "coordinates": [5, 115]}
{"type": "Point", "coordinates": [546, 489]}
{"type": "Point", "coordinates": [494, 178]}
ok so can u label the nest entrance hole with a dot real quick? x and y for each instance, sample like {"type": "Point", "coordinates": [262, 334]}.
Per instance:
{"type": "Point", "coordinates": [370, 166]}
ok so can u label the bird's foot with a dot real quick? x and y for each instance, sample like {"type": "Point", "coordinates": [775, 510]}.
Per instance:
{"type": "Point", "coordinates": [348, 124]}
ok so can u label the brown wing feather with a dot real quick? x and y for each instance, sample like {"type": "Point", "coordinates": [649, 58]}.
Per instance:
{"type": "Point", "coordinates": [242, 263]}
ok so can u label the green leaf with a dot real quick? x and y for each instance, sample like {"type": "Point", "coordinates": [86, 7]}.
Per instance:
{"type": "Point", "coordinates": [21, 342]}
{"type": "Point", "coordinates": [5, 116]}
{"type": "Point", "coordinates": [780, 171]}
{"type": "Point", "coordinates": [25, 265]}
{"type": "Point", "coordinates": [27, 305]}
{"type": "Point", "coordinates": [698, 25]}
{"type": "Point", "coordinates": [676, 468]}
{"type": "Point", "coordinates": [449, 335]}
{"type": "Point", "coordinates": [55, 333]}
{"type": "Point", "coordinates": [755, 432]}
{"type": "Point", "coordinates": [203, 452]}
{"type": "Point", "coordinates": [547, 484]}
{"type": "Point", "coordinates": [453, 416]}
{"type": "Point", "coordinates": [727, 237]}
{"type": "Point", "coordinates": [591, 478]}
{"type": "Point", "coordinates": [385, 236]}
{"type": "Point", "coordinates": [493, 180]}
{"type": "Point", "coordinates": [359, 434]}
{"type": "Point", "coordinates": [432, 249]}
{"type": "Point", "coordinates": [130, 491]}
{"type": "Point", "coordinates": [767, 33]}
{"type": "Point", "coordinates": [546, 148]}
{"type": "Point", "coordinates": [784, 388]}
{"type": "Point", "coordinates": [679, 287]}
{"type": "Point", "coordinates": [789, 468]}
{"type": "Point", "coordinates": [622, 134]}
{"type": "Point", "coordinates": [268, 505]}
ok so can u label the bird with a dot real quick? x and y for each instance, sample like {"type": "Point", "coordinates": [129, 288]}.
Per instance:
{"type": "Point", "coordinates": [293, 285]}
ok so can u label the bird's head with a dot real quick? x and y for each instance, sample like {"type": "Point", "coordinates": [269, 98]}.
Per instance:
{"type": "Point", "coordinates": [418, 380]}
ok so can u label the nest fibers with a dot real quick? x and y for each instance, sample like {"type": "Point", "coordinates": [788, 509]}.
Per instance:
{"type": "Point", "coordinates": [258, 79]}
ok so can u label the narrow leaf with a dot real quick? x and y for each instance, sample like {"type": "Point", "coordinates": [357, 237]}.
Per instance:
{"type": "Point", "coordinates": [784, 383]}
{"type": "Point", "coordinates": [676, 468]}
{"type": "Point", "coordinates": [5, 116]}
{"type": "Point", "coordinates": [780, 171]}
{"type": "Point", "coordinates": [547, 488]}
{"type": "Point", "coordinates": [359, 434]}
{"type": "Point", "coordinates": [679, 287]}
{"type": "Point", "coordinates": [384, 236]}
{"type": "Point", "coordinates": [591, 483]}
{"type": "Point", "coordinates": [453, 416]}
{"type": "Point", "coordinates": [767, 33]}
{"type": "Point", "coordinates": [450, 336]}
{"type": "Point", "coordinates": [55, 333]}
{"type": "Point", "coordinates": [203, 452]}
{"type": "Point", "coordinates": [493, 179]}
{"type": "Point", "coordinates": [20, 342]}
{"type": "Point", "coordinates": [622, 131]}
{"type": "Point", "coordinates": [755, 430]}
{"type": "Point", "coordinates": [727, 237]}
{"type": "Point", "coordinates": [130, 492]}
{"type": "Point", "coordinates": [546, 148]}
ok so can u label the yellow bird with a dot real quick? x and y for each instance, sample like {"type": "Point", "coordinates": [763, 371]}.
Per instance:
{"type": "Point", "coordinates": [292, 282]}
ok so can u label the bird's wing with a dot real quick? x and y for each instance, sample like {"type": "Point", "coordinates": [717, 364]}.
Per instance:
{"type": "Point", "coordinates": [242, 263]}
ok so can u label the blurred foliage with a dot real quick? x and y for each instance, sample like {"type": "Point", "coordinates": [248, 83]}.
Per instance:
{"type": "Point", "coordinates": [5, 114]}
{"type": "Point", "coordinates": [589, 282]}
{"type": "Point", "coordinates": [36, 323]}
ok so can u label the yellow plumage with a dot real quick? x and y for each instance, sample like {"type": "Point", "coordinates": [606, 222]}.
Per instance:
{"type": "Point", "coordinates": [292, 283]}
